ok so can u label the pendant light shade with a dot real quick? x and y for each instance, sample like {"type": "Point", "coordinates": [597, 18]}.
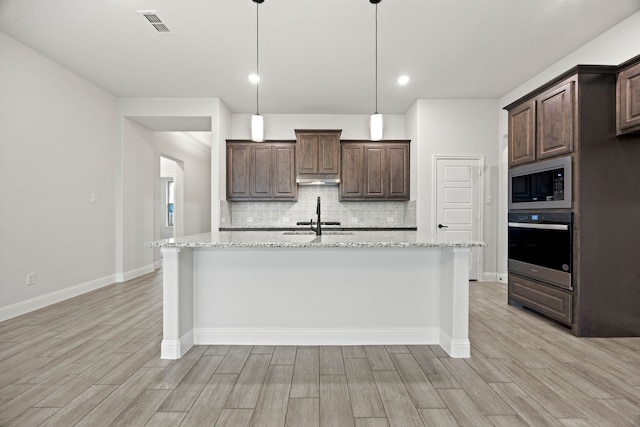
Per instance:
{"type": "Point", "coordinates": [375, 125]}
{"type": "Point", "coordinates": [257, 128]}
{"type": "Point", "coordinates": [257, 121]}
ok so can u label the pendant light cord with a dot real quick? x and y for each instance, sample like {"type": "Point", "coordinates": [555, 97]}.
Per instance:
{"type": "Point", "coordinates": [376, 58]}
{"type": "Point", "coordinates": [257, 56]}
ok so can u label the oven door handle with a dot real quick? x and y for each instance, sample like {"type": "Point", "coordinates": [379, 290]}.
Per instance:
{"type": "Point", "coordinates": [539, 226]}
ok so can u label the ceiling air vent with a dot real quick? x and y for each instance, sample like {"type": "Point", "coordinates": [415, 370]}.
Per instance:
{"type": "Point", "coordinates": [161, 28]}
{"type": "Point", "coordinates": [151, 17]}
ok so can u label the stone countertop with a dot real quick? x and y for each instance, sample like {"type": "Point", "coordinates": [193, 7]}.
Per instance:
{"type": "Point", "coordinates": [308, 239]}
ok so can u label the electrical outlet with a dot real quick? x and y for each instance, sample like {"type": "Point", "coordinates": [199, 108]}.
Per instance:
{"type": "Point", "coordinates": [31, 279]}
{"type": "Point", "coordinates": [390, 219]}
{"type": "Point", "coordinates": [354, 219]}
{"type": "Point", "coordinates": [94, 198]}
{"type": "Point", "coordinates": [285, 219]}
{"type": "Point", "coordinates": [249, 219]}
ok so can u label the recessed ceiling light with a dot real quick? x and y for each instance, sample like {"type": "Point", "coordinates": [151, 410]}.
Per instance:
{"type": "Point", "coordinates": [403, 80]}
{"type": "Point", "coordinates": [254, 78]}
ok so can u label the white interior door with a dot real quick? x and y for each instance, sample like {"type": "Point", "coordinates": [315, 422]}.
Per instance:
{"type": "Point", "coordinates": [458, 214]}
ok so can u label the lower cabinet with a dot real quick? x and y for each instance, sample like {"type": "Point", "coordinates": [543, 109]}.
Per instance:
{"type": "Point", "coordinates": [549, 300]}
{"type": "Point", "coordinates": [374, 171]}
{"type": "Point", "coordinates": [261, 171]}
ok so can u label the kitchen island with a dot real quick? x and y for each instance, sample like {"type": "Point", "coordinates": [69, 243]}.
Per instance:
{"type": "Point", "coordinates": [296, 288]}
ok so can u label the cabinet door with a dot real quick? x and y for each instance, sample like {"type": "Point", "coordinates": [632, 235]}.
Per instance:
{"type": "Point", "coordinates": [375, 173]}
{"type": "Point", "coordinates": [308, 152]}
{"type": "Point", "coordinates": [628, 105]}
{"type": "Point", "coordinates": [318, 153]}
{"type": "Point", "coordinates": [284, 179]}
{"type": "Point", "coordinates": [352, 180]}
{"type": "Point", "coordinates": [328, 154]}
{"type": "Point", "coordinates": [522, 133]}
{"type": "Point", "coordinates": [261, 172]}
{"type": "Point", "coordinates": [556, 121]}
{"type": "Point", "coordinates": [238, 172]}
{"type": "Point", "coordinates": [398, 171]}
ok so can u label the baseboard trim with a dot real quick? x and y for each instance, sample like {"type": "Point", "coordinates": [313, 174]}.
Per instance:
{"type": "Point", "coordinates": [489, 277]}
{"type": "Point", "coordinates": [458, 348]}
{"type": "Point", "coordinates": [27, 306]}
{"type": "Point", "coordinates": [132, 274]}
{"type": "Point", "coordinates": [175, 349]}
{"type": "Point", "coordinates": [494, 277]}
{"type": "Point", "coordinates": [306, 336]}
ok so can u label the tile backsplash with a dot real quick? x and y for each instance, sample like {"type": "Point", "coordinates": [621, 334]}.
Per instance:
{"type": "Point", "coordinates": [286, 214]}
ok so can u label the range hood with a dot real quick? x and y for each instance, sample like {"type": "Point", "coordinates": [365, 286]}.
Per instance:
{"type": "Point", "coordinates": [318, 181]}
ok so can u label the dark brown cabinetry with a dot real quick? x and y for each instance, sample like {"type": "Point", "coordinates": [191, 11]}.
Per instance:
{"type": "Point", "coordinates": [261, 171]}
{"type": "Point", "coordinates": [543, 126]}
{"type": "Point", "coordinates": [318, 154]}
{"type": "Point", "coordinates": [522, 133]}
{"type": "Point", "coordinates": [555, 120]}
{"type": "Point", "coordinates": [628, 97]}
{"type": "Point", "coordinates": [576, 116]}
{"type": "Point", "coordinates": [375, 171]}
{"type": "Point", "coordinates": [551, 301]}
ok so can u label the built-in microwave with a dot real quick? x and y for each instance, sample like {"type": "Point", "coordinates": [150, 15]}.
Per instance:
{"type": "Point", "coordinates": [541, 185]}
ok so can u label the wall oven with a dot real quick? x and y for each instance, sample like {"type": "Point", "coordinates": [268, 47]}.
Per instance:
{"type": "Point", "coordinates": [540, 247]}
{"type": "Point", "coordinates": [541, 185]}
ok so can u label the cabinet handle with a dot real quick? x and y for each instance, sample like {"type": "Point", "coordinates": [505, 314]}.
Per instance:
{"type": "Point", "coordinates": [442, 226]}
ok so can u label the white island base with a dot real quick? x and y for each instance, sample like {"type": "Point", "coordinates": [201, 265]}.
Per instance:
{"type": "Point", "coordinates": [315, 296]}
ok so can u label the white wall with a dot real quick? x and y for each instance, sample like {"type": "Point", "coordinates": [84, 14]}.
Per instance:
{"type": "Point", "coordinates": [220, 132]}
{"type": "Point", "coordinates": [412, 132]}
{"type": "Point", "coordinates": [58, 145]}
{"type": "Point", "coordinates": [456, 127]}
{"type": "Point", "coordinates": [282, 126]}
{"type": "Point", "coordinates": [140, 171]}
{"type": "Point", "coordinates": [613, 47]}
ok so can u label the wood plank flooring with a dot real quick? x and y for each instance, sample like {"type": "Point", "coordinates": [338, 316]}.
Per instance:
{"type": "Point", "coordinates": [94, 361]}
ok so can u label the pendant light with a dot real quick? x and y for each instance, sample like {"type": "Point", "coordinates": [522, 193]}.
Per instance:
{"type": "Point", "coordinates": [375, 125]}
{"type": "Point", "coordinates": [257, 121]}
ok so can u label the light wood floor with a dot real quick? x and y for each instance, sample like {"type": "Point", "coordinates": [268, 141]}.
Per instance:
{"type": "Point", "coordinates": [94, 361]}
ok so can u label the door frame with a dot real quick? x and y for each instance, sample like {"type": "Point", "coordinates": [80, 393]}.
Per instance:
{"type": "Point", "coordinates": [481, 184]}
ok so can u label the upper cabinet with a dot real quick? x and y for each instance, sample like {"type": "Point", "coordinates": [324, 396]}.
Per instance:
{"type": "Point", "coordinates": [318, 154]}
{"type": "Point", "coordinates": [375, 170]}
{"type": "Point", "coordinates": [261, 171]}
{"type": "Point", "coordinates": [628, 97]}
{"type": "Point", "coordinates": [522, 133]}
{"type": "Point", "coordinates": [542, 126]}
{"type": "Point", "coordinates": [555, 120]}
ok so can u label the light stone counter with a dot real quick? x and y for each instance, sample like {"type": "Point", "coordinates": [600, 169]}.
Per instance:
{"type": "Point", "coordinates": [341, 288]}
{"type": "Point", "coordinates": [303, 239]}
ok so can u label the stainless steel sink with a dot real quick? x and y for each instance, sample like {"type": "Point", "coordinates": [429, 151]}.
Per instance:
{"type": "Point", "coordinates": [312, 233]}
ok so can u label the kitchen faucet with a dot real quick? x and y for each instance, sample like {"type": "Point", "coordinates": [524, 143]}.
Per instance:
{"type": "Point", "coordinates": [319, 223]}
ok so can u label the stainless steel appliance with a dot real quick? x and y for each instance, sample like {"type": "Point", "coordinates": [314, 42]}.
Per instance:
{"type": "Point", "coordinates": [540, 247]}
{"type": "Point", "coordinates": [541, 185]}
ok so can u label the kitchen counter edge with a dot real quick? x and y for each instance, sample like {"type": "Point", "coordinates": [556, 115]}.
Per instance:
{"type": "Point", "coordinates": [275, 239]}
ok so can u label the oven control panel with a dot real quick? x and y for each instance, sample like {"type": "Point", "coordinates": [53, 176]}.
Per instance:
{"type": "Point", "coordinates": [541, 217]}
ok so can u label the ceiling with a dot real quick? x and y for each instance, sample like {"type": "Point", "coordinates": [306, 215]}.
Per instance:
{"type": "Point", "coordinates": [315, 56]}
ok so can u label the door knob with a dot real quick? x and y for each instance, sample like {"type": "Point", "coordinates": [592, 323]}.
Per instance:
{"type": "Point", "coordinates": [442, 226]}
